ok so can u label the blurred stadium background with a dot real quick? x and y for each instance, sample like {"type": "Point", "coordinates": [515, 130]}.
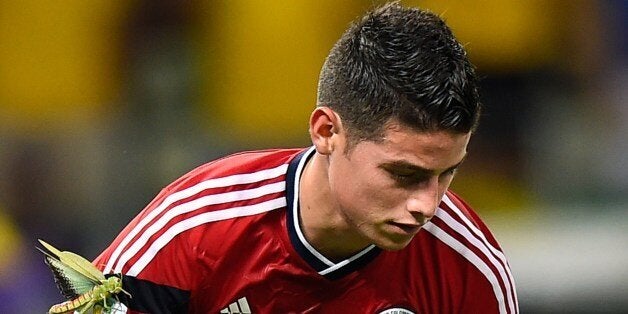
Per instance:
{"type": "Point", "coordinates": [102, 103]}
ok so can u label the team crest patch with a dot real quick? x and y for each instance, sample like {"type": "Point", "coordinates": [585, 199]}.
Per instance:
{"type": "Point", "coordinates": [396, 310]}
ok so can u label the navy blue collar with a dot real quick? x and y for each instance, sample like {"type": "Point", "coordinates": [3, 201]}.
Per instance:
{"type": "Point", "coordinates": [315, 259]}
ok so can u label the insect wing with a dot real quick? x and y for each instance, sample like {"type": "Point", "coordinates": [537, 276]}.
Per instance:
{"type": "Point", "coordinates": [76, 262]}
{"type": "Point", "coordinates": [71, 282]}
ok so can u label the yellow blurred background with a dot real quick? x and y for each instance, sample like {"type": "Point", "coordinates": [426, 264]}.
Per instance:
{"type": "Point", "coordinates": [102, 103]}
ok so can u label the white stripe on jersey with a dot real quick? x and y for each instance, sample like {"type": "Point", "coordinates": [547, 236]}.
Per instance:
{"type": "Point", "coordinates": [199, 220]}
{"type": "Point", "coordinates": [471, 257]}
{"type": "Point", "coordinates": [460, 229]}
{"type": "Point", "coordinates": [346, 261]}
{"type": "Point", "coordinates": [495, 251]}
{"type": "Point", "coordinates": [177, 196]}
{"type": "Point", "coordinates": [116, 307]}
{"type": "Point", "coordinates": [193, 205]}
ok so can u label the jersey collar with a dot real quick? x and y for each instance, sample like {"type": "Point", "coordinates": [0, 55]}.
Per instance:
{"type": "Point", "coordinates": [315, 259]}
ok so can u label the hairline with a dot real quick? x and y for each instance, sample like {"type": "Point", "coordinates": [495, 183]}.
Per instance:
{"type": "Point", "coordinates": [377, 136]}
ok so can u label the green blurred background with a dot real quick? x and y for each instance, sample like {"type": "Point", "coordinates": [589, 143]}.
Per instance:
{"type": "Point", "coordinates": [102, 103]}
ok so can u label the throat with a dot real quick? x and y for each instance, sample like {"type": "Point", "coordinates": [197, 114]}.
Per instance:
{"type": "Point", "coordinates": [336, 247]}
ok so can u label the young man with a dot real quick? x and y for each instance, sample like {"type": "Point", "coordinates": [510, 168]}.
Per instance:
{"type": "Point", "coordinates": [362, 222]}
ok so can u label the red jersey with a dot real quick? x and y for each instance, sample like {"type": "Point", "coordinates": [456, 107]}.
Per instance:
{"type": "Point", "coordinates": [226, 238]}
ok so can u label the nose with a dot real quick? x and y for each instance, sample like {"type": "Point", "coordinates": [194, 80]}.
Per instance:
{"type": "Point", "coordinates": [423, 202]}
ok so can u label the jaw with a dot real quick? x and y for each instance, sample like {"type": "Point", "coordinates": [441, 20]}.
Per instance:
{"type": "Point", "coordinates": [389, 236]}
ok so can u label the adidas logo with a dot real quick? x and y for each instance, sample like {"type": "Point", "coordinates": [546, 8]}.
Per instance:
{"type": "Point", "coordinates": [240, 306]}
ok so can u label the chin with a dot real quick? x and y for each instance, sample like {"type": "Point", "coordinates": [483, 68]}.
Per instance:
{"type": "Point", "coordinates": [390, 245]}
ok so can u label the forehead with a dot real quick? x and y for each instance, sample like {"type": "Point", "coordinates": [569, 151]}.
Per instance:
{"type": "Point", "coordinates": [428, 149]}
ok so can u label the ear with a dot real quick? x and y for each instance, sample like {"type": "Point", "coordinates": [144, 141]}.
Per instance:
{"type": "Point", "coordinates": [325, 126]}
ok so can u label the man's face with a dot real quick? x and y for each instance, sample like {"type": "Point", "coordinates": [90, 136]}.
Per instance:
{"type": "Point", "coordinates": [386, 190]}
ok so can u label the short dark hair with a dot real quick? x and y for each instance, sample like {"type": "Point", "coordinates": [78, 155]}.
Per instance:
{"type": "Point", "coordinates": [399, 63]}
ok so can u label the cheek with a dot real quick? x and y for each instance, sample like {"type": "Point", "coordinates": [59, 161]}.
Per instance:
{"type": "Point", "coordinates": [360, 186]}
{"type": "Point", "coordinates": [349, 187]}
{"type": "Point", "coordinates": [443, 186]}
{"type": "Point", "coordinates": [367, 192]}
{"type": "Point", "coordinates": [346, 182]}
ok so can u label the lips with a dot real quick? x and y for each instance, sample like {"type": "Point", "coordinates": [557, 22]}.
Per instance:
{"type": "Point", "coordinates": [407, 228]}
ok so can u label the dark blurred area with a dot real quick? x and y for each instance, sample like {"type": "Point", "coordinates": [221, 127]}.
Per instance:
{"type": "Point", "coordinates": [102, 103]}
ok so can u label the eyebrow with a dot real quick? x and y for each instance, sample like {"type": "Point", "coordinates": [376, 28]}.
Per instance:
{"type": "Point", "coordinates": [405, 165]}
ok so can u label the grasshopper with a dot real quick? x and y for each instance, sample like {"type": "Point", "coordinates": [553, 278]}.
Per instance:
{"type": "Point", "coordinates": [81, 283]}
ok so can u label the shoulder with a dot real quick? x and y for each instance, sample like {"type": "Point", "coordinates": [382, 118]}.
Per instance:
{"type": "Point", "coordinates": [458, 214]}
{"type": "Point", "coordinates": [467, 245]}
{"type": "Point", "coordinates": [238, 168]}
{"type": "Point", "coordinates": [239, 185]}
{"type": "Point", "coordinates": [458, 226]}
{"type": "Point", "coordinates": [242, 184]}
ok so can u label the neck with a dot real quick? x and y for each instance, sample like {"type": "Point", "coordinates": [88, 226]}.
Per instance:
{"type": "Point", "coordinates": [322, 222]}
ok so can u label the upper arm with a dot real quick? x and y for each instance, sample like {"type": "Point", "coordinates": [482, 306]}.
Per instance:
{"type": "Point", "coordinates": [155, 258]}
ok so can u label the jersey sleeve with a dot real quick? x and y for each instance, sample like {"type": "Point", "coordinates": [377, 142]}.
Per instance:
{"type": "Point", "coordinates": [157, 267]}
{"type": "Point", "coordinates": [165, 253]}
{"type": "Point", "coordinates": [154, 253]}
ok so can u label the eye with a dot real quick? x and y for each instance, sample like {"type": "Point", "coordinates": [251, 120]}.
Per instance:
{"type": "Point", "coordinates": [404, 178]}
{"type": "Point", "coordinates": [449, 173]}
{"type": "Point", "coordinates": [401, 176]}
